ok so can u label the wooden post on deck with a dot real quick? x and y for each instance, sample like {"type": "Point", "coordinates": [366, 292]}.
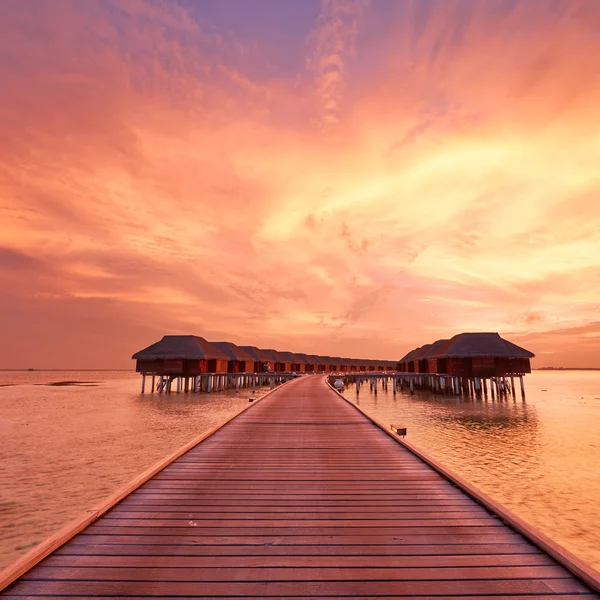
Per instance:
{"type": "Point", "coordinates": [153, 380]}
{"type": "Point", "coordinates": [522, 386]}
{"type": "Point", "coordinates": [143, 382]}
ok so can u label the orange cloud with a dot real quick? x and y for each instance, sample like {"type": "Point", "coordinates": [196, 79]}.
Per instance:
{"type": "Point", "coordinates": [424, 168]}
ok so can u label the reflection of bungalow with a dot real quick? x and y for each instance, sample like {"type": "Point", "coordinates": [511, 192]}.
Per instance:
{"type": "Point", "coordinates": [262, 362]}
{"type": "Point", "coordinates": [291, 360]}
{"type": "Point", "coordinates": [481, 355]}
{"type": "Point", "coordinates": [181, 355]}
{"type": "Point", "coordinates": [239, 360]}
{"type": "Point", "coordinates": [308, 364]}
{"type": "Point", "coordinates": [280, 365]}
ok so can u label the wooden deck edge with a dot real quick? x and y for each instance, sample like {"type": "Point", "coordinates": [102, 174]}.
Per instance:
{"type": "Point", "coordinates": [19, 567]}
{"type": "Point", "coordinates": [564, 557]}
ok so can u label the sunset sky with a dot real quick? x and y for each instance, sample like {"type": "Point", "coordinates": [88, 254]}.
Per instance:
{"type": "Point", "coordinates": [337, 177]}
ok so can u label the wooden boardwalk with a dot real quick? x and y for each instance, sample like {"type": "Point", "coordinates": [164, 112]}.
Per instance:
{"type": "Point", "coordinates": [300, 496]}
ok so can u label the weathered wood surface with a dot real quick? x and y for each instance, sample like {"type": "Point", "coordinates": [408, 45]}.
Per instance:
{"type": "Point", "coordinates": [301, 496]}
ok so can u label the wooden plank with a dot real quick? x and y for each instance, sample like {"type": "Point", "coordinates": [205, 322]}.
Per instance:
{"type": "Point", "coordinates": [301, 560]}
{"type": "Point", "coordinates": [304, 573]}
{"type": "Point", "coordinates": [557, 596]}
{"type": "Point", "coordinates": [298, 540]}
{"type": "Point", "coordinates": [268, 525]}
{"type": "Point", "coordinates": [238, 550]}
{"type": "Point", "coordinates": [317, 514]}
{"type": "Point", "coordinates": [291, 588]}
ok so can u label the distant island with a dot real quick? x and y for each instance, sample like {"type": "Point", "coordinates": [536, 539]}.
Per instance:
{"type": "Point", "coordinates": [566, 369]}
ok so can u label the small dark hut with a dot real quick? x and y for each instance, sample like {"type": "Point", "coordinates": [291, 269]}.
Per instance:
{"type": "Point", "coordinates": [290, 359]}
{"type": "Point", "coordinates": [330, 366]}
{"type": "Point", "coordinates": [308, 364]}
{"type": "Point", "coordinates": [262, 362]}
{"type": "Point", "coordinates": [482, 355]}
{"type": "Point", "coordinates": [184, 355]}
{"type": "Point", "coordinates": [434, 364]}
{"type": "Point", "coordinates": [279, 363]}
{"type": "Point", "coordinates": [239, 360]}
{"type": "Point", "coordinates": [318, 364]}
{"type": "Point", "coordinates": [418, 359]}
{"type": "Point", "coordinates": [405, 363]}
{"type": "Point", "coordinates": [334, 364]}
{"type": "Point", "coordinates": [339, 364]}
{"type": "Point", "coordinates": [299, 363]}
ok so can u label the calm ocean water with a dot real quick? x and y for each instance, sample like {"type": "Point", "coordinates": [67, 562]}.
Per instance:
{"type": "Point", "coordinates": [63, 449]}
{"type": "Point", "coordinates": [540, 458]}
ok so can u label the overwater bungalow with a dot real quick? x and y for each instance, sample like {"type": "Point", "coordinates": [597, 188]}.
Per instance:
{"type": "Point", "coordinates": [239, 360]}
{"type": "Point", "coordinates": [330, 365]}
{"type": "Point", "coordinates": [292, 360]}
{"type": "Point", "coordinates": [431, 363]}
{"type": "Point", "coordinates": [309, 367]}
{"type": "Point", "coordinates": [318, 365]}
{"type": "Point", "coordinates": [419, 361]}
{"type": "Point", "coordinates": [181, 355]}
{"type": "Point", "coordinates": [334, 364]}
{"type": "Point", "coordinates": [405, 364]}
{"type": "Point", "coordinates": [339, 364]}
{"type": "Point", "coordinates": [262, 362]}
{"type": "Point", "coordinates": [481, 355]}
{"type": "Point", "coordinates": [279, 363]}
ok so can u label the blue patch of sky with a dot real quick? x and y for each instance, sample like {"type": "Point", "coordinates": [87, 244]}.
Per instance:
{"type": "Point", "coordinates": [278, 27]}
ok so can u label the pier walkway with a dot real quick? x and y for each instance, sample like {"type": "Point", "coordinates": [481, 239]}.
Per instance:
{"type": "Point", "coordinates": [300, 496]}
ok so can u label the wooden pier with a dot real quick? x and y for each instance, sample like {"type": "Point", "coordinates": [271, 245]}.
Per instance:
{"type": "Point", "coordinates": [300, 496]}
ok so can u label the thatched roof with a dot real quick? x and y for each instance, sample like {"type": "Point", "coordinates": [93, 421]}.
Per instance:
{"type": "Point", "coordinates": [233, 351]}
{"type": "Point", "coordinates": [273, 355]}
{"type": "Point", "coordinates": [303, 359]}
{"type": "Point", "coordinates": [315, 360]}
{"type": "Point", "coordinates": [466, 345]}
{"type": "Point", "coordinates": [421, 352]}
{"type": "Point", "coordinates": [288, 357]}
{"type": "Point", "coordinates": [434, 348]}
{"type": "Point", "coordinates": [184, 347]}
{"type": "Point", "coordinates": [256, 353]}
{"type": "Point", "coordinates": [408, 357]}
